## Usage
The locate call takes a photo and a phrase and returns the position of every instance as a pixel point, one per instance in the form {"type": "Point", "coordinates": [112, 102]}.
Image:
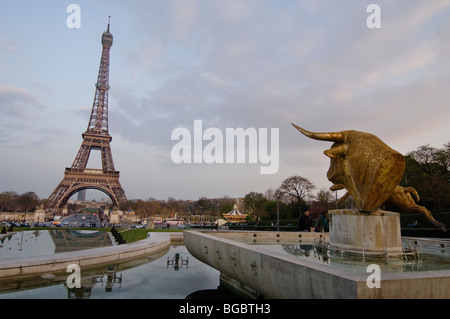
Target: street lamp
{"type": "Point", "coordinates": [278, 215]}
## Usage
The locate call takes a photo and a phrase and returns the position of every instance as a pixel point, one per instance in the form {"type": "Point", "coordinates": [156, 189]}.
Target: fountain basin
{"type": "Point", "coordinates": [261, 273]}
{"type": "Point", "coordinates": [21, 267]}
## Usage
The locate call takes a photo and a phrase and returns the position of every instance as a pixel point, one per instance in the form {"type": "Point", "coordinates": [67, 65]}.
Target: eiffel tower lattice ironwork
{"type": "Point", "coordinates": [96, 137]}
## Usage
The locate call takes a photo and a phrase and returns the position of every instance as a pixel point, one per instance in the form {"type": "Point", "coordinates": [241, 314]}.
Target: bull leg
{"type": "Point", "coordinates": [401, 197]}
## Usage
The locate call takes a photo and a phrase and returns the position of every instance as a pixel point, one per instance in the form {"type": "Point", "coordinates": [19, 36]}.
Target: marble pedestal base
{"type": "Point", "coordinates": [369, 234]}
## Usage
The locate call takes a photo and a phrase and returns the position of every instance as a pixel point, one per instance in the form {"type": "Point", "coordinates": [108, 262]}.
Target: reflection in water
{"type": "Point", "coordinates": [72, 240]}
{"type": "Point", "coordinates": [149, 277]}
{"type": "Point", "coordinates": [47, 242]}
{"type": "Point", "coordinates": [415, 259]}
{"type": "Point", "coordinates": [308, 251]}
{"type": "Point", "coordinates": [177, 262]}
{"type": "Point", "coordinates": [27, 243]}
{"type": "Point", "coordinates": [108, 279]}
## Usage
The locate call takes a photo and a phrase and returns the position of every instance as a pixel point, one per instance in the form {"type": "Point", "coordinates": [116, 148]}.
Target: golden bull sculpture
{"type": "Point", "coordinates": [369, 170]}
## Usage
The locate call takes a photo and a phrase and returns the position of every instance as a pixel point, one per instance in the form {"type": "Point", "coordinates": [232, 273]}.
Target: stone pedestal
{"type": "Point", "coordinates": [369, 234]}
{"type": "Point", "coordinates": [116, 217]}
{"type": "Point", "coordinates": [39, 215]}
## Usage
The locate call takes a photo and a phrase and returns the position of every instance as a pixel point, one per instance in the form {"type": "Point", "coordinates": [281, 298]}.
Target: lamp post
{"type": "Point", "coordinates": [278, 215]}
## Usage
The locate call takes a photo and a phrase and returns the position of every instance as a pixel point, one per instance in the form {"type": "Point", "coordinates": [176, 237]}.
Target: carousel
{"type": "Point", "coordinates": [235, 216]}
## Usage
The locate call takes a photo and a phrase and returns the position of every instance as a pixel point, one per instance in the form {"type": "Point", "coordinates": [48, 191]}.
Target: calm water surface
{"type": "Point", "coordinates": [150, 277]}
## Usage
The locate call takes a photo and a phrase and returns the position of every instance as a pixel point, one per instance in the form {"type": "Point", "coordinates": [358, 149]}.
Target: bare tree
{"type": "Point", "coordinates": [325, 197]}
{"type": "Point", "coordinates": [254, 203]}
{"type": "Point", "coordinates": [270, 194]}
{"type": "Point", "coordinates": [295, 189]}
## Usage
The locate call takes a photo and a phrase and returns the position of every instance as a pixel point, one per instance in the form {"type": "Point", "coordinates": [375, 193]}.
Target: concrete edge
{"type": "Point", "coordinates": [270, 274]}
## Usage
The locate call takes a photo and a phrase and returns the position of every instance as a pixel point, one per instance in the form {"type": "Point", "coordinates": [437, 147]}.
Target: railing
{"type": "Point", "coordinates": [91, 171]}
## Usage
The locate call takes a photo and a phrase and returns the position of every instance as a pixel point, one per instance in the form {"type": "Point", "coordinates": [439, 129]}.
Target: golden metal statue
{"type": "Point", "coordinates": [369, 170]}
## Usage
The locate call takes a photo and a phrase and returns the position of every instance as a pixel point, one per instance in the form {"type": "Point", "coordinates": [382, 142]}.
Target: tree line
{"type": "Point", "coordinates": [427, 170]}
{"type": "Point", "coordinates": [203, 206]}
{"type": "Point", "coordinates": [13, 202]}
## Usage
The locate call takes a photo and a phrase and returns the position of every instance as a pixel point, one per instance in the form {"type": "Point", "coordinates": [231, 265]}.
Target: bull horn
{"type": "Point", "coordinates": [331, 137]}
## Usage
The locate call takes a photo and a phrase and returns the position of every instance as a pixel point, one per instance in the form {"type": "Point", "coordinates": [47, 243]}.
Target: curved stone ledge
{"type": "Point", "coordinates": [17, 267]}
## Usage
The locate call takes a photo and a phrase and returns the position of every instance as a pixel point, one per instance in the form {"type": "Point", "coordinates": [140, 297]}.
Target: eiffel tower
{"type": "Point", "coordinates": [96, 137]}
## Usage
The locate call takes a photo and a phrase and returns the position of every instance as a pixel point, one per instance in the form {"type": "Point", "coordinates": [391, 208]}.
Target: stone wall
{"type": "Point", "coordinates": [17, 216]}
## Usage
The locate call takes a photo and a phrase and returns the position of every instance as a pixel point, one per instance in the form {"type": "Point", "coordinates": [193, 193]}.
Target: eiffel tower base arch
{"type": "Point", "coordinates": [76, 180]}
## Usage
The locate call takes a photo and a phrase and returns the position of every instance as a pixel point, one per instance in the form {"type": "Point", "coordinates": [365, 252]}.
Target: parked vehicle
{"type": "Point", "coordinates": [57, 220]}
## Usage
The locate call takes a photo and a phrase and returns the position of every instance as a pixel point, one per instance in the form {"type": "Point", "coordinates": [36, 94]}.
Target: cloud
{"type": "Point", "coordinates": [16, 102]}
{"type": "Point", "coordinates": [255, 63]}
{"type": "Point", "coordinates": [7, 44]}
{"type": "Point", "coordinates": [18, 110]}
{"type": "Point", "coordinates": [183, 17]}
{"type": "Point", "coordinates": [251, 64]}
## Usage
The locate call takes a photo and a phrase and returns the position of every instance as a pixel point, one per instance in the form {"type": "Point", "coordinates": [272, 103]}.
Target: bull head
{"type": "Point", "coordinates": [362, 164]}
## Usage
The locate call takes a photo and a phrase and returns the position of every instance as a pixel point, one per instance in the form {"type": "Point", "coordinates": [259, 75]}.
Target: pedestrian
{"type": "Point", "coordinates": [321, 224]}
{"type": "Point", "coordinates": [304, 222]}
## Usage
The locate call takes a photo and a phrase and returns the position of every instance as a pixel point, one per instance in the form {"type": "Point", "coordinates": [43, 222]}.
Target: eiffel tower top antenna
{"type": "Point", "coordinates": [98, 122]}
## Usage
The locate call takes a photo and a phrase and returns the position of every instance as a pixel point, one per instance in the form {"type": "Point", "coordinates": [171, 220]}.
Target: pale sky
{"type": "Point", "coordinates": [230, 64]}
